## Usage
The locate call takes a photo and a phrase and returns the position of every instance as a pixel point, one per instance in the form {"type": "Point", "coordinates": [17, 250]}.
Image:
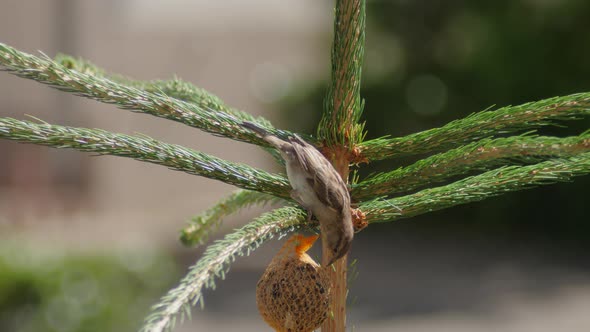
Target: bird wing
{"type": "Point", "coordinates": [323, 178]}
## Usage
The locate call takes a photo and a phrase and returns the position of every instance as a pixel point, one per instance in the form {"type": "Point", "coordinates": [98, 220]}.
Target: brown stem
{"type": "Point", "coordinates": [337, 322]}
{"type": "Point", "coordinates": [339, 129]}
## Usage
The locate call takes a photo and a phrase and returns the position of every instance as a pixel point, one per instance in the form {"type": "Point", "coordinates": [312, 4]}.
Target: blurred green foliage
{"type": "Point", "coordinates": [76, 293]}
{"type": "Point", "coordinates": [429, 62]}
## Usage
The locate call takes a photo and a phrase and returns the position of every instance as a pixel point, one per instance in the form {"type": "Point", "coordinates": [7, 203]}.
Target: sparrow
{"type": "Point", "coordinates": [316, 186]}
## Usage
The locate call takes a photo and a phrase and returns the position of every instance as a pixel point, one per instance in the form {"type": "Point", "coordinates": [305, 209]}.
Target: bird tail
{"type": "Point", "coordinates": [272, 140]}
{"type": "Point", "coordinates": [255, 128]}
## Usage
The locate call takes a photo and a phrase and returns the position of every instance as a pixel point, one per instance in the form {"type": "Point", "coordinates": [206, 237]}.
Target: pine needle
{"type": "Point", "coordinates": [480, 125]}
{"type": "Point", "coordinates": [215, 263]}
{"type": "Point", "coordinates": [201, 226]}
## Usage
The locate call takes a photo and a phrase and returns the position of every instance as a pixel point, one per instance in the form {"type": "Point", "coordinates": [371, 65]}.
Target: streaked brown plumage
{"type": "Point", "coordinates": [317, 187]}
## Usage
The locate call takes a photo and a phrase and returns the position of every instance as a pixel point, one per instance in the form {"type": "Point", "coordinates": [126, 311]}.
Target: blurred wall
{"type": "Point", "coordinates": [249, 55]}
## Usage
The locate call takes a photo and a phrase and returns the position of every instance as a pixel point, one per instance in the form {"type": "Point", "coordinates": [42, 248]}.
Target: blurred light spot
{"type": "Point", "coordinates": [159, 276]}
{"type": "Point", "coordinates": [150, 268]}
{"type": "Point", "coordinates": [458, 43]}
{"type": "Point", "coordinates": [63, 315]}
{"type": "Point", "coordinates": [138, 263]}
{"type": "Point", "coordinates": [81, 290]}
{"type": "Point", "coordinates": [385, 58]}
{"type": "Point", "coordinates": [270, 82]}
{"type": "Point", "coordinates": [426, 94]}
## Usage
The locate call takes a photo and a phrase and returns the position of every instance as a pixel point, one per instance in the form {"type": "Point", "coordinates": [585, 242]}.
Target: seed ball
{"type": "Point", "coordinates": [293, 294]}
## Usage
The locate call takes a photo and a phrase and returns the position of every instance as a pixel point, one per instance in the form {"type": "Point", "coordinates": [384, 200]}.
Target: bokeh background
{"type": "Point", "coordinates": [89, 243]}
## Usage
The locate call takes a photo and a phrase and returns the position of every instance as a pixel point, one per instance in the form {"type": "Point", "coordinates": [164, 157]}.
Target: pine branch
{"type": "Point", "coordinates": [339, 128]}
{"type": "Point", "coordinates": [45, 70]}
{"type": "Point", "coordinates": [482, 155]}
{"type": "Point", "coordinates": [201, 226]}
{"type": "Point", "coordinates": [477, 188]}
{"type": "Point", "coordinates": [343, 105]}
{"type": "Point", "coordinates": [175, 88]}
{"type": "Point", "coordinates": [147, 149]}
{"type": "Point", "coordinates": [215, 263]}
{"type": "Point", "coordinates": [480, 125]}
